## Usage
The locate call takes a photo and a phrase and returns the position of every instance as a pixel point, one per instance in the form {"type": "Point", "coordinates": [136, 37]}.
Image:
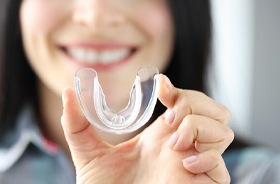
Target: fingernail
{"type": "Point", "coordinates": [189, 160]}
{"type": "Point", "coordinates": [169, 116]}
{"type": "Point", "coordinates": [173, 139]}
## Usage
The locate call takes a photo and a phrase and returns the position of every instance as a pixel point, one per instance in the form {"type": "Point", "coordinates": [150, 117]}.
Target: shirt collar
{"type": "Point", "coordinates": [26, 132]}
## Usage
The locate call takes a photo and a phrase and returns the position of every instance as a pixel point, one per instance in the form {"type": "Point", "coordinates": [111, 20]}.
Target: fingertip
{"type": "Point", "coordinates": [68, 96]}
{"type": "Point", "coordinates": [194, 164]}
{"type": "Point", "coordinates": [173, 140]}
{"type": "Point", "coordinates": [189, 160]}
{"type": "Point", "coordinates": [167, 92]}
{"type": "Point", "coordinates": [169, 116]}
{"type": "Point", "coordinates": [202, 162]}
{"type": "Point", "coordinates": [167, 82]}
{"type": "Point", "coordinates": [207, 170]}
{"type": "Point", "coordinates": [211, 163]}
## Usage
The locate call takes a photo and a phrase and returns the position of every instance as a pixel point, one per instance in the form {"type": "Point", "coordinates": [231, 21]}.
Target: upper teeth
{"type": "Point", "coordinates": [94, 56]}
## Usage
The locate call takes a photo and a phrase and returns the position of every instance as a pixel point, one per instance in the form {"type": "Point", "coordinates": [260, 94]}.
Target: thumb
{"type": "Point", "coordinates": [79, 133]}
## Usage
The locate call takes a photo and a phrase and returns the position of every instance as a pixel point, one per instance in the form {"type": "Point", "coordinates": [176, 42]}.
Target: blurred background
{"type": "Point", "coordinates": [245, 74]}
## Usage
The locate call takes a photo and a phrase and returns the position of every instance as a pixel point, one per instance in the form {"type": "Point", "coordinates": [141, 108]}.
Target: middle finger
{"type": "Point", "coordinates": [204, 132]}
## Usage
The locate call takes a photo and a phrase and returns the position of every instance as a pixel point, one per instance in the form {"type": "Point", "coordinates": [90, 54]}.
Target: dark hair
{"type": "Point", "coordinates": [192, 20]}
{"type": "Point", "coordinates": [17, 80]}
{"type": "Point", "coordinates": [186, 70]}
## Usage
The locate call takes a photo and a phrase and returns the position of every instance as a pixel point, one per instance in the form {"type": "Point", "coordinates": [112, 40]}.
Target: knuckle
{"type": "Point", "coordinates": [188, 127]}
{"type": "Point", "coordinates": [226, 179]}
{"type": "Point", "coordinates": [214, 155]}
{"type": "Point", "coordinates": [199, 93]}
{"type": "Point", "coordinates": [230, 135]}
{"type": "Point", "coordinates": [188, 122]}
{"type": "Point", "coordinates": [185, 100]}
{"type": "Point", "coordinates": [225, 113]}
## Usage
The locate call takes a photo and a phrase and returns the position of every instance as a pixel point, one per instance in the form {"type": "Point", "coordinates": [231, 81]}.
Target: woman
{"type": "Point", "coordinates": [44, 42]}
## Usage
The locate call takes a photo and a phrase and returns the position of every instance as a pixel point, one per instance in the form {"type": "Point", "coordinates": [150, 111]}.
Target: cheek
{"type": "Point", "coordinates": [157, 23]}
{"type": "Point", "coordinates": [156, 19]}
{"type": "Point", "coordinates": [39, 15]}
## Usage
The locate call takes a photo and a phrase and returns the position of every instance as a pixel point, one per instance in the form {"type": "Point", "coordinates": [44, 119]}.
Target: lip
{"type": "Point", "coordinates": [100, 48]}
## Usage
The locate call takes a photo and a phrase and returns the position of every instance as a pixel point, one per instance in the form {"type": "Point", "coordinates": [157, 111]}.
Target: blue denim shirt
{"type": "Point", "coordinates": [26, 157]}
{"type": "Point", "coordinates": [254, 165]}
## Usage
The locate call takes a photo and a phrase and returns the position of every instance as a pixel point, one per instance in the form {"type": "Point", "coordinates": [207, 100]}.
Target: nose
{"type": "Point", "coordinates": [97, 13]}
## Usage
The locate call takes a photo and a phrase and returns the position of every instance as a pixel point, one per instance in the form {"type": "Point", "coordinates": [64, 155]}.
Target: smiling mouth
{"type": "Point", "coordinates": [89, 56]}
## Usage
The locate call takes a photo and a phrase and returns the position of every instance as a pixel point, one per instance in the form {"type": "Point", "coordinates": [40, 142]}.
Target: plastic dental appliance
{"type": "Point", "coordinates": [143, 98]}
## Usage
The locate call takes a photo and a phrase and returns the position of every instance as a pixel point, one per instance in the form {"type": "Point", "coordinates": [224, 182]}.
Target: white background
{"type": "Point", "coordinates": [245, 74]}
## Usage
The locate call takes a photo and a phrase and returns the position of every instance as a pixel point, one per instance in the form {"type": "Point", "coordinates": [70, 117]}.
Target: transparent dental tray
{"type": "Point", "coordinates": [143, 98]}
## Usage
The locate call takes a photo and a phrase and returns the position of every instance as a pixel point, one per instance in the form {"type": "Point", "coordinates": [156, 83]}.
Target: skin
{"type": "Point", "coordinates": [193, 127]}
{"type": "Point", "coordinates": [48, 25]}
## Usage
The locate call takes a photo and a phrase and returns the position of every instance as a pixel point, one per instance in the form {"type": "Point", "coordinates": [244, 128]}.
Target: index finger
{"type": "Point", "coordinates": [183, 102]}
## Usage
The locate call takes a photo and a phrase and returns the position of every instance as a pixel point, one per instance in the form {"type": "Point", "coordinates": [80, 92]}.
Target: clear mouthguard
{"type": "Point", "coordinates": [143, 98]}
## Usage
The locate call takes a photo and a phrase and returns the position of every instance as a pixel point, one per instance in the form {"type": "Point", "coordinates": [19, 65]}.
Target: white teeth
{"type": "Point", "coordinates": [93, 56]}
{"type": "Point", "coordinates": [90, 56]}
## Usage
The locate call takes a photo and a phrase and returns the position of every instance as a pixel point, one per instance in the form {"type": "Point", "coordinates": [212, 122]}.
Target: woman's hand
{"type": "Point", "coordinates": [184, 145]}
